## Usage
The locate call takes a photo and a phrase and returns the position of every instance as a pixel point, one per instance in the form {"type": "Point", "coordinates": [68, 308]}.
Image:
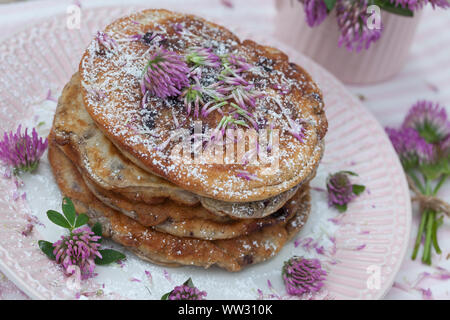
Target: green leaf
{"type": "Point", "coordinates": [435, 170]}
{"type": "Point", "coordinates": [189, 283]}
{"type": "Point", "coordinates": [392, 8]}
{"type": "Point", "coordinates": [47, 248]}
{"type": "Point", "coordinates": [82, 219]}
{"type": "Point", "coordinates": [166, 296]}
{"type": "Point", "coordinates": [58, 219]}
{"type": "Point", "coordinates": [69, 210]}
{"type": "Point", "coordinates": [330, 4]}
{"type": "Point", "coordinates": [97, 229]}
{"type": "Point", "coordinates": [358, 189]}
{"type": "Point", "coordinates": [109, 256]}
{"type": "Point", "coordinates": [341, 208]}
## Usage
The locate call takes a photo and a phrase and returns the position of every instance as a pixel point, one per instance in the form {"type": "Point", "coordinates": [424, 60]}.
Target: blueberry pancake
{"type": "Point", "coordinates": [165, 249]}
{"type": "Point", "coordinates": [155, 73]}
{"type": "Point", "coordinates": [188, 145]}
{"type": "Point", "coordinates": [103, 164]}
{"type": "Point", "coordinates": [185, 221]}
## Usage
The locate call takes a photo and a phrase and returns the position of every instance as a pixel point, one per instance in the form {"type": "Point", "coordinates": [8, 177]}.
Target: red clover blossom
{"type": "Point", "coordinates": [80, 249]}
{"type": "Point", "coordinates": [341, 191]}
{"type": "Point", "coordinates": [168, 74]}
{"type": "Point", "coordinates": [424, 135]}
{"type": "Point", "coordinates": [423, 146]}
{"type": "Point", "coordinates": [429, 119]}
{"type": "Point", "coordinates": [352, 21]}
{"type": "Point", "coordinates": [316, 11]}
{"type": "Point", "coordinates": [352, 17]}
{"type": "Point", "coordinates": [411, 148]}
{"type": "Point", "coordinates": [165, 75]}
{"type": "Point", "coordinates": [185, 292]}
{"type": "Point", "coordinates": [21, 151]}
{"type": "Point", "coordinates": [302, 276]}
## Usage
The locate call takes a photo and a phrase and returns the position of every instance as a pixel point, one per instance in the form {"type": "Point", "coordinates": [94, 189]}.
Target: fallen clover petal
{"type": "Point", "coordinates": [187, 291]}
{"type": "Point", "coordinates": [80, 248]}
{"type": "Point", "coordinates": [28, 229]}
{"type": "Point", "coordinates": [302, 276]}
{"type": "Point", "coordinates": [167, 275]}
{"type": "Point", "coordinates": [247, 175]}
{"type": "Point", "coordinates": [106, 41]}
{"type": "Point", "coordinates": [296, 129]}
{"type": "Point", "coordinates": [22, 151]}
{"type": "Point", "coordinates": [341, 191]}
{"type": "Point", "coordinates": [426, 294]}
{"type": "Point", "coordinates": [227, 3]}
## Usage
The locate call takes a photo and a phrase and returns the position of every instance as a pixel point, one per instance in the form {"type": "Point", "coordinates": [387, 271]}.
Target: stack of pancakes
{"type": "Point", "coordinates": [106, 156]}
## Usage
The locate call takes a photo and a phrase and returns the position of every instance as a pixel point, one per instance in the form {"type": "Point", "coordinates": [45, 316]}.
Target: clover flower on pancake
{"type": "Point", "coordinates": [165, 74]}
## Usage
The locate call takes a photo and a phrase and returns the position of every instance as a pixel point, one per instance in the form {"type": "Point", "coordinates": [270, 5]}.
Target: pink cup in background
{"type": "Point", "coordinates": [382, 60]}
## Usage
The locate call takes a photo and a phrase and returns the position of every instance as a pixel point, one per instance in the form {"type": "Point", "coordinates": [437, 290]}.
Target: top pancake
{"type": "Point", "coordinates": [112, 96]}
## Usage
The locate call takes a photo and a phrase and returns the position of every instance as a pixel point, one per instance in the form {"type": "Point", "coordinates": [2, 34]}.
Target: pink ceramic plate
{"type": "Point", "coordinates": [371, 238]}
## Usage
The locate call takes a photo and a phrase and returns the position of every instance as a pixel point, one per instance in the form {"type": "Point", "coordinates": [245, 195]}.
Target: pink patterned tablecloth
{"type": "Point", "coordinates": [426, 76]}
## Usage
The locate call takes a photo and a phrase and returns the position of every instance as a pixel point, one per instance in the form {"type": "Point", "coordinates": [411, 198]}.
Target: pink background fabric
{"type": "Point", "coordinates": [425, 76]}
